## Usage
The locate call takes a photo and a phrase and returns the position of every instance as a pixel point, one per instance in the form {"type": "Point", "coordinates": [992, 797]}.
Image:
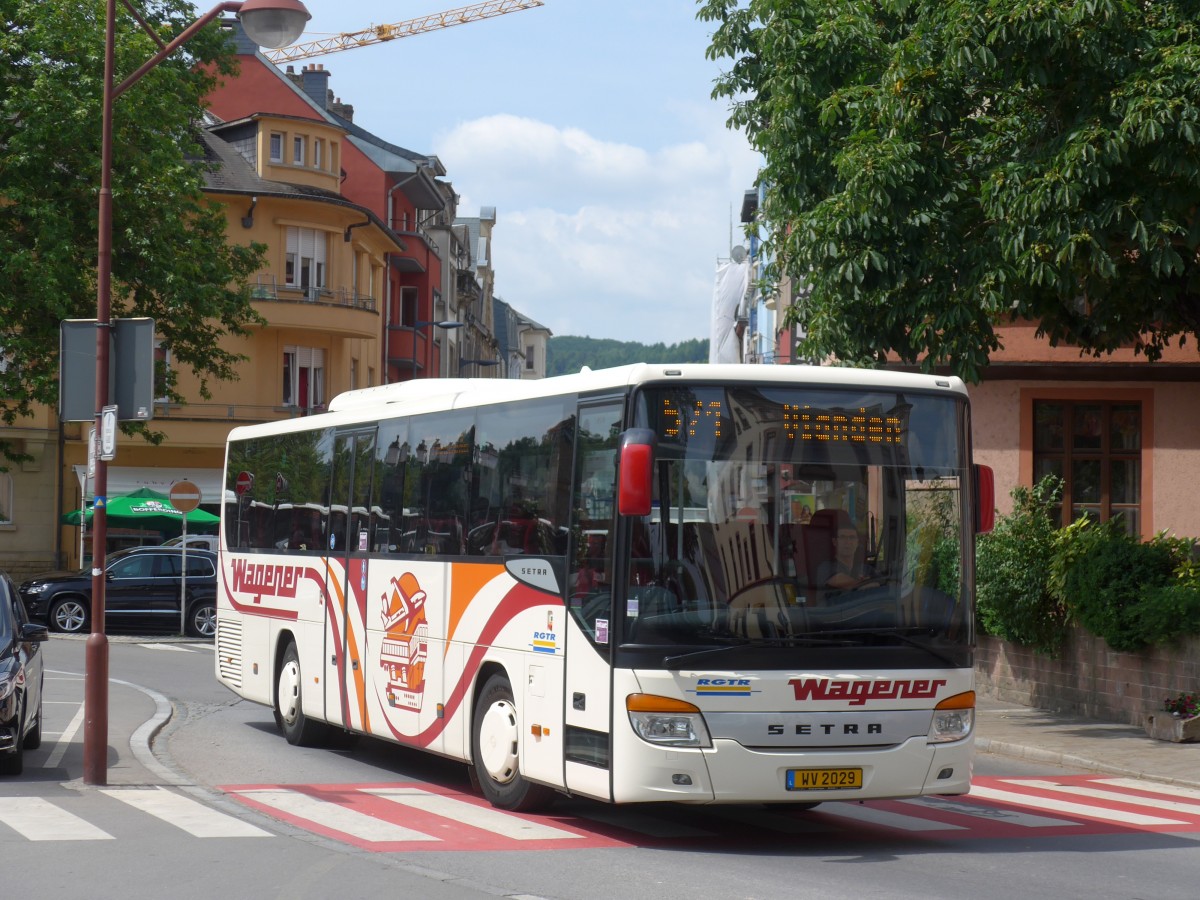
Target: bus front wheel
{"type": "Point", "coordinates": [289, 704]}
{"type": "Point", "coordinates": [495, 751]}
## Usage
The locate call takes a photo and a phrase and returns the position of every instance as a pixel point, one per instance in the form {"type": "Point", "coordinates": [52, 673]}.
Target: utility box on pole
{"type": "Point", "coordinates": [131, 375]}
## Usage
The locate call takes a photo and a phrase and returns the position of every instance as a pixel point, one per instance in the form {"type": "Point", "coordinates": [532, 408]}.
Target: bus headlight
{"type": "Point", "coordinates": [667, 722]}
{"type": "Point", "coordinates": [953, 718]}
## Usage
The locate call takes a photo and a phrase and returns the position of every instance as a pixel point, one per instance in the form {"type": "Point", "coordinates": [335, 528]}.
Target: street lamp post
{"type": "Point", "coordinates": [417, 325]}
{"type": "Point", "coordinates": [477, 362]}
{"type": "Point", "coordinates": [272, 24]}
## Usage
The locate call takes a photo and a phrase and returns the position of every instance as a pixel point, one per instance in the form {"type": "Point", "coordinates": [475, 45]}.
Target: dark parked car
{"type": "Point", "coordinates": [20, 680]}
{"type": "Point", "coordinates": [142, 588]}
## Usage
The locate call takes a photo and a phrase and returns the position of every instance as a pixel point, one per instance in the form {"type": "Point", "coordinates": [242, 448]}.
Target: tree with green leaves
{"type": "Point", "coordinates": [936, 168]}
{"type": "Point", "coordinates": [171, 261]}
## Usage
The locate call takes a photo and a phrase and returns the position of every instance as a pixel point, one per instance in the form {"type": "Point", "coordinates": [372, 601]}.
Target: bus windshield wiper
{"type": "Point", "coordinates": [905, 635]}
{"type": "Point", "coordinates": [674, 662]}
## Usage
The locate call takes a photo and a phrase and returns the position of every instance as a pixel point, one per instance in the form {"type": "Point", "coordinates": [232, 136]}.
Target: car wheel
{"type": "Point", "coordinates": [69, 615]}
{"type": "Point", "coordinates": [13, 761]}
{"type": "Point", "coordinates": [289, 704]}
{"type": "Point", "coordinates": [495, 753]}
{"type": "Point", "coordinates": [202, 619]}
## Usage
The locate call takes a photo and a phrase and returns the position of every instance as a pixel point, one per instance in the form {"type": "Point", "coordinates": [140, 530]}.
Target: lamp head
{"type": "Point", "coordinates": [273, 23]}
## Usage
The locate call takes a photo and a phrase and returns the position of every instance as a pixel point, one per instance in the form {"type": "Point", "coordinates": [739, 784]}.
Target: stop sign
{"type": "Point", "coordinates": [245, 481]}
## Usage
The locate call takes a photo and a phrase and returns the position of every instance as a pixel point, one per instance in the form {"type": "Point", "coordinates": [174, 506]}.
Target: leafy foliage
{"type": "Point", "coordinates": [1014, 601]}
{"type": "Point", "coordinates": [937, 167]}
{"type": "Point", "coordinates": [1127, 591]}
{"type": "Point", "coordinates": [568, 354]}
{"type": "Point", "coordinates": [170, 257]}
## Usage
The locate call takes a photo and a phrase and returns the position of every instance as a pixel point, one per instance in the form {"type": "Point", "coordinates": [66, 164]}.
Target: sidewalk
{"type": "Point", "coordinates": [1076, 743]}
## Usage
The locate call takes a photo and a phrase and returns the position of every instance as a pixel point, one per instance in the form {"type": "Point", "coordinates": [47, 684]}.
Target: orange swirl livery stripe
{"type": "Point", "coordinates": [334, 582]}
{"type": "Point", "coordinates": [519, 599]}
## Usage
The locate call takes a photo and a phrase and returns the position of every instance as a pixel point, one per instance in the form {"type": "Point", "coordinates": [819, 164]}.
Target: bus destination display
{"type": "Point", "coordinates": [702, 420]}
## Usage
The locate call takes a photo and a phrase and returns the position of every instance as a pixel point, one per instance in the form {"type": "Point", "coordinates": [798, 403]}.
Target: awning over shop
{"type": "Point", "coordinates": [127, 479]}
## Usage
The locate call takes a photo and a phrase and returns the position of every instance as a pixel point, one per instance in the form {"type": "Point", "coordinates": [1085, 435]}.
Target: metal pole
{"type": "Point", "coordinates": [95, 692]}
{"type": "Point", "coordinates": [415, 332]}
{"type": "Point", "coordinates": [95, 682]}
{"type": "Point", "coordinates": [183, 581]}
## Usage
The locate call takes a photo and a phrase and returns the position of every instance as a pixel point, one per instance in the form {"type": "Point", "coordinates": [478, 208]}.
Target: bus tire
{"type": "Point", "coordinates": [495, 751]}
{"type": "Point", "coordinates": [298, 728]}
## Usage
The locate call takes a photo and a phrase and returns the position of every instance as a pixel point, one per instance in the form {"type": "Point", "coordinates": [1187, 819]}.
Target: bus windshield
{"type": "Point", "coordinates": [794, 516]}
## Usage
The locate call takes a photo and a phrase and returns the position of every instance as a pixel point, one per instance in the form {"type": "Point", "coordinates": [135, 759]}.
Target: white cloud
{"type": "Point", "coordinates": [597, 237]}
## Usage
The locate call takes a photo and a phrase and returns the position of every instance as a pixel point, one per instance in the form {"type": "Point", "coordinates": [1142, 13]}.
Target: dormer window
{"type": "Point", "coordinates": [298, 151]}
{"type": "Point", "coordinates": [276, 147]}
{"type": "Point", "coordinates": [318, 153]}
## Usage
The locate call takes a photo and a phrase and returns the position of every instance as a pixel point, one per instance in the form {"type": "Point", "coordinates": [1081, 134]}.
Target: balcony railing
{"type": "Point", "coordinates": [232, 412]}
{"type": "Point", "coordinates": [268, 290]}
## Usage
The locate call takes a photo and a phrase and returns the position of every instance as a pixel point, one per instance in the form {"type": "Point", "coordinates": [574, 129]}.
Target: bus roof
{"type": "Point", "coordinates": [431, 394]}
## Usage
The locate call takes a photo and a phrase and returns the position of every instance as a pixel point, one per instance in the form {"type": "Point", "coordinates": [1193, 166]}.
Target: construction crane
{"type": "Point", "coordinates": [379, 33]}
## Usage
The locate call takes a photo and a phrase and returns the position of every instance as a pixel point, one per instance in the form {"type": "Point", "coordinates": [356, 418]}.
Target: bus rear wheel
{"type": "Point", "coordinates": [289, 704]}
{"type": "Point", "coordinates": [495, 751]}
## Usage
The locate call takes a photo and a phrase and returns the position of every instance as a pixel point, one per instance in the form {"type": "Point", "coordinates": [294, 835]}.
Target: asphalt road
{"type": "Point", "coordinates": [225, 807]}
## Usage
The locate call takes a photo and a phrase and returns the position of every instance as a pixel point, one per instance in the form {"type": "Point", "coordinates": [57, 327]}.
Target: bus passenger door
{"type": "Point", "coordinates": [346, 578]}
{"type": "Point", "coordinates": [589, 688]}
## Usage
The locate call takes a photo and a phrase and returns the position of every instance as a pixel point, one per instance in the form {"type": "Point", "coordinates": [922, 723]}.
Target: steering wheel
{"type": "Point", "coordinates": [871, 581]}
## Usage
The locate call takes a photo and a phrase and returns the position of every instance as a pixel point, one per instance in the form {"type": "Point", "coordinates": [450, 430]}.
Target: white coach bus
{"type": "Point", "coordinates": [702, 584]}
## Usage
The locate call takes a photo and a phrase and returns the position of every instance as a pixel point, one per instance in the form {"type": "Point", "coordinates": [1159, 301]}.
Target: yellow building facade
{"type": "Point", "coordinates": [321, 293]}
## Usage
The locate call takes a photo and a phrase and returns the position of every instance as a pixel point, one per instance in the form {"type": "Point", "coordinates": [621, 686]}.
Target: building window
{"type": "Point", "coordinates": [529, 358]}
{"type": "Point", "coordinates": [353, 374]}
{"type": "Point", "coordinates": [6, 499]}
{"type": "Point", "coordinates": [276, 147]}
{"type": "Point", "coordinates": [303, 377]}
{"type": "Point", "coordinates": [408, 306]}
{"type": "Point", "coordinates": [298, 151]}
{"type": "Point", "coordinates": [162, 371]}
{"type": "Point", "coordinates": [318, 153]}
{"type": "Point", "coordinates": [1095, 447]}
{"type": "Point", "coordinates": [305, 262]}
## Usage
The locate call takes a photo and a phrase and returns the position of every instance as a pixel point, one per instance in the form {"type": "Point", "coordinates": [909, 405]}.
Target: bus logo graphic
{"type": "Point", "coordinates": [857, 693]}
{"type": "Point", "coordinates": [723, 687]}
{"type": "Point", "coordinates": [544, 641]}
{"type": "Point", "coordinates": [405, 646]}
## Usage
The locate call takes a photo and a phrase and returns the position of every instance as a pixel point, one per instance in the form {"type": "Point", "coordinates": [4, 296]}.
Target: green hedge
{"type": "Point", "coordinates": [1011, 564]}
{"type": "Point", "coordinates": [1033, 578]}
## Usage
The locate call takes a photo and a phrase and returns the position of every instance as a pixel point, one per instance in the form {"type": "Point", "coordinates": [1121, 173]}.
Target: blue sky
{"type": "Point", "coordinates": [589, 125]}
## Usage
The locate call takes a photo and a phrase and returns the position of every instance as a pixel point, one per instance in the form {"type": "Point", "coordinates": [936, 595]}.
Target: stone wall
{"type": "Point", "coordinates": [1088, 678]}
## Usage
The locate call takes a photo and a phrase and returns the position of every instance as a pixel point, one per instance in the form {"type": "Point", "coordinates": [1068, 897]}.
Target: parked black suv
{"type": "Point", "coordinates": [142, 588]}
{"type": "Point", "coordinates": [20, 680]}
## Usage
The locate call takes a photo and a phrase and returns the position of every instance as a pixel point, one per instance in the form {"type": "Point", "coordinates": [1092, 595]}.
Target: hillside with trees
{"type": "Point", "coordinates": [566, 354]}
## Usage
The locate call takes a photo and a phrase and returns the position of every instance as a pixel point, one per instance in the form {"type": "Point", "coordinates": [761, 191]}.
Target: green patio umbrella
{"type": "Point", "coordinates": [148, 510]}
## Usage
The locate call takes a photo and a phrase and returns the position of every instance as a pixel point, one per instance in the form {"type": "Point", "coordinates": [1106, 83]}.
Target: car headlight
{"type": "Point", "coordinates": [953, 718]}
{"type": "Point", "coordinates": [667, 722]}
{"type": "Point", "coordinates": [33, 588]}
{"type": "Point", "coordinates": [8, 684]}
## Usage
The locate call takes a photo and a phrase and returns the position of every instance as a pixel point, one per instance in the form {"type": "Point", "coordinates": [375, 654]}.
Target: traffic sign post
{"type": "Point", "coordinates": [185, 497]}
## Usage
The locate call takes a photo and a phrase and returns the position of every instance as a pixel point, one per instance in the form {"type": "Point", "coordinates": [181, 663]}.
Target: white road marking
{"type": "Point", "coordinates": [1065, 806]}
{"type": "Point", "coordinates": [1151, 787]}
{"type": "Point", "coordinates": [873, 816]}
{"type": "Point", "coordinates": [990, 813]}
{"type": "Point", "coordinates": [64, 741]}
{"type": "Point", "coordinates": [183, 812]}
{"type": "Point", "coordinates": [1083, 791]}
{"type": "Point", "coordinates": [492, 820]}
{"type": "Point", "coordinates": [338, 818]}
{"type": "Point", "coordinates": [40, 820]}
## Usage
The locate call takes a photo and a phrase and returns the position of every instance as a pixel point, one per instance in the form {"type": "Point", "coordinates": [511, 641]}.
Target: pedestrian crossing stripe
{"type": "Point", "coordinates": [185, 813]}
{"type": "Point", "coordinates": [393, 817]}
